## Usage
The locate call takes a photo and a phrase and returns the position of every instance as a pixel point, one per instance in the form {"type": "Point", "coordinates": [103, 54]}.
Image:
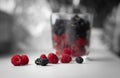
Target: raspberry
{"type": "Point", "coordinates": [59, 41]}
{"type": "Point", "coordinates": [25, 59]}
{"type": "Point", "coordinates": [63, 36]}
{"type": "Point", "coordinates": [75, 50]}
{"type": "Point", "coordinates": [63, 44]}
{"type": "Point", "coordinates": [43, 56]}
{"type": "Point", "coordinates": [53, 58]}
{"type": "Point", "coordinates": [56, 38]}
{"type": "Point", "coordinates": [16, 60]}
{"type": "Point", "coordinates": [67, 51]}
{"type": "Point", "coordinates": [81, 42]}
{"type": "Point", "coordinates": [66, 58]}
{"type": "Point", "coordinates": [79, 59]}
{"type": "Point", "coordinates": [79, 52]}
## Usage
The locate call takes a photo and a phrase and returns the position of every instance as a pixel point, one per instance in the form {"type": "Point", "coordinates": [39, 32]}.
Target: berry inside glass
{"type": "Point", "coordinates": [70, 34]}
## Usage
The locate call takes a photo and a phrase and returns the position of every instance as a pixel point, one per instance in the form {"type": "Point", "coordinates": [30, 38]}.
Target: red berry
{"type": "Point", "coordinates": [56, 38]}
{"type": "Point", "coordinates": [80, 52]}
{"type": "Point", "coordinates": [65, 58]}
{"type": "Point", "coordinates": [43, 56]}
{"type": "Point", "coordinates": [74, 49]}
{"type": "Point", "coordinates": [63, 37]}
{"type": "Point", "coordinates": [59, 41]}
{"type": "Point", "coordinates": [81, 42]}
{"type": "Point", "coordinates": [53, 58]}
{"type": "Point", "coordinates": [67, 51]}
{"type": "Point", "coordinates": [25, 59]}
{"type": "Point", "coordinates": [16, 60]}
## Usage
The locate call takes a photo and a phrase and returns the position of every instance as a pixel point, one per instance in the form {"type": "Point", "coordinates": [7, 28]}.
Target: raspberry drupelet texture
{"type": "Point", "coordinates": [16, 60]}
{"type": "Point", "coordinates": [25, 59]}
{"type": "Point", "coordinates": [66, 58]}
{"type": "Point", "coordinates": [53, 58]}
{"type": "Point", "coordinates": [43, 56]}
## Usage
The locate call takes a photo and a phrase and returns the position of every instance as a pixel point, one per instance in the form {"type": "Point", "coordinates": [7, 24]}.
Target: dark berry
{"type": "Point", "coordinates": [59, 27]}
{"type": "Point", "coordinates": [44, 62]}
{"type": "Point", "coordinates": [87, 25]}
{"type": "Point", "coordinates": [81, 25]}
{"type": "Point", "coordinates": [79, 60]}
{"type": "Point", "coordinates": [81, 35]}
{"type": "Point", "coordinates": [75, 18]}
{"type": "Point", "coordinates": [16, 60]}
{"type": "Point", "coordinates": [25, 59]}
{"type": "Point", "coordinates": [38, 61]}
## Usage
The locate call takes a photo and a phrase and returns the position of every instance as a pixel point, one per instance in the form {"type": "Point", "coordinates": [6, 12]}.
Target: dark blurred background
{"type": "Point", "coordinates": [22, 21]}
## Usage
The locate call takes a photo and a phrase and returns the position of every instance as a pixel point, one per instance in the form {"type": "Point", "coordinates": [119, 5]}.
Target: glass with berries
{"type": "Point", "coordinates": [70, 34]}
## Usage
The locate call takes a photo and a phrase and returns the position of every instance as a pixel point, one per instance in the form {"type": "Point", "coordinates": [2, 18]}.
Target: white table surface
{"type": "Point", "coordinates": [101, 63]}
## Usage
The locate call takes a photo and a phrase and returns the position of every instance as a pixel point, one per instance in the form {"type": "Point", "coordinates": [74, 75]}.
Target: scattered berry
{"type": "Point", "coordinates": [42, 62]}
{"type": "Point", "coordinates": [65, 58]}
{"type": "Point", "coordinates": [16, 60]}
{"type": "Point", "coordinates": [38, 61]}
{"type": "Point", "coordinates": [25, 59]}
{"type": "Point", "coordinates": [67, 51]}
{"type": "Point", "coordinates": [79, 60]}
{"type": "Point", "coordinates": [43, 56]}
{"type": "Point", "coordinates": [53, 58]}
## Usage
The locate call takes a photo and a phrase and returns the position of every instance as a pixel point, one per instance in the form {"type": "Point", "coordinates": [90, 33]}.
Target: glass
{"type": "Point", "coordinates": [70, 34]}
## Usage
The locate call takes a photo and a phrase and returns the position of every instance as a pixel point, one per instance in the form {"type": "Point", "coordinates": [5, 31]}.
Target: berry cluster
{"type": "Point", "coordinates": [70, 34]}
{"type": "Point", "coordinates": [18, 60]}
{"type": "Point", "coordinates": [53, 59]}
{"type": "Point", "coordinates": [43, 60]}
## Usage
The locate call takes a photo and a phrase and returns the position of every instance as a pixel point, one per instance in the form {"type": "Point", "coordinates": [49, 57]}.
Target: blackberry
{"type": "Point", "coordinates": [75, 18]}
{"type": "Point", "coordinates": [38, 61]}
{"type": "Point", "coordinates": [42, 62]}
{"type": "Point", "coordinates": [87, 25]}
{"type": "Point", "coordinates": [79, 59]}
{"type": "Point", "coordinates": [81, 25]}
{"type": "Point", "coordinates": [59, 26]}
{"type": "Point", "coordinates": [81, 35]}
